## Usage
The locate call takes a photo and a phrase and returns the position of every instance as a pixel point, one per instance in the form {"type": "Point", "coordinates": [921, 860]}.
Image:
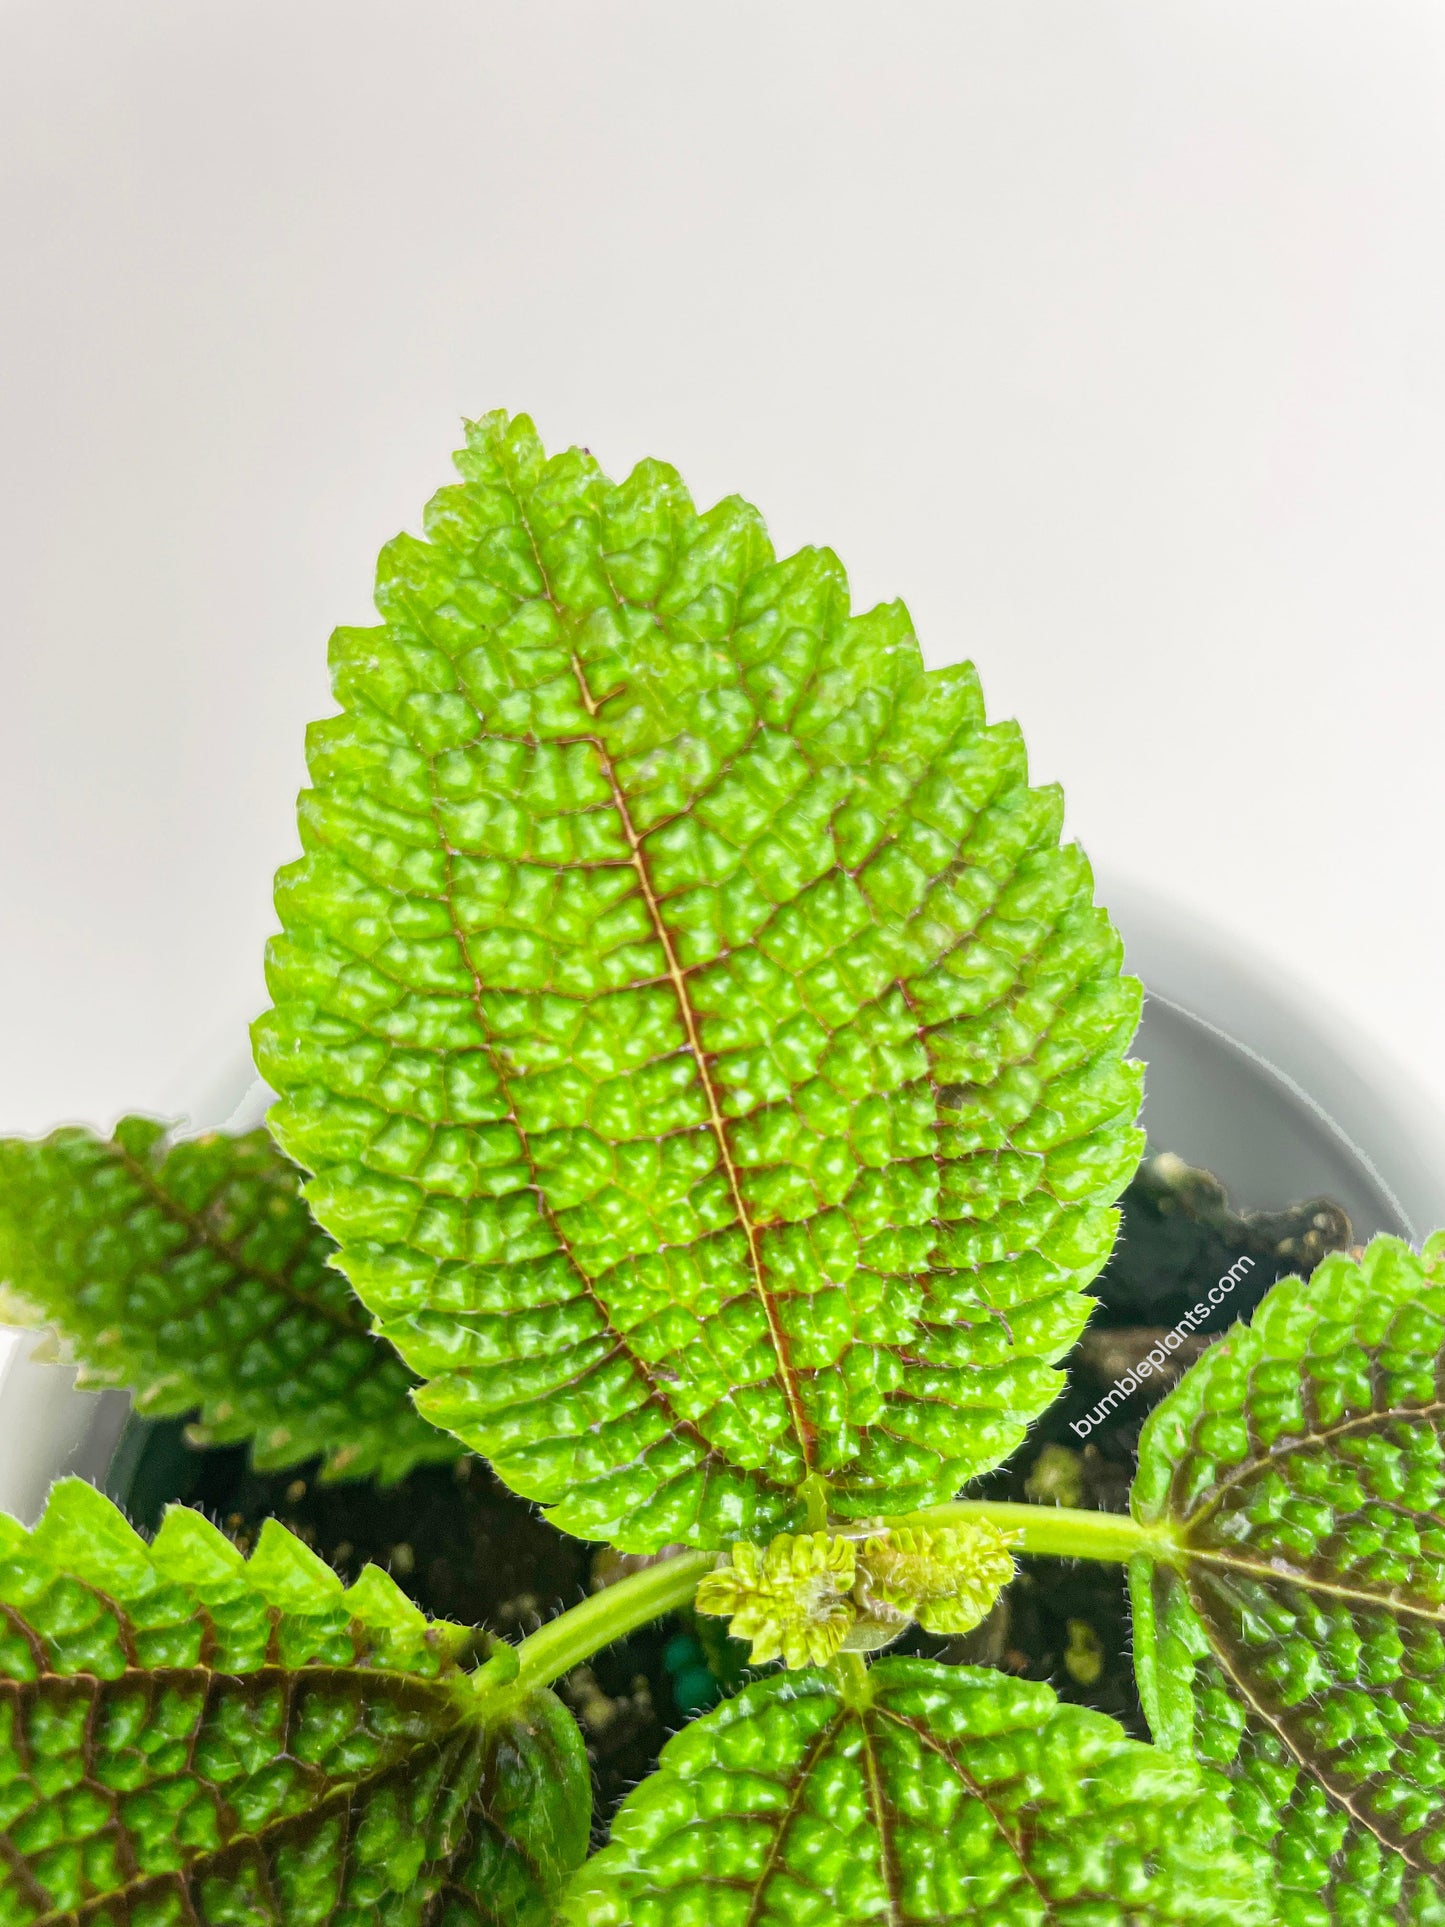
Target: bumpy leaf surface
{"type": "Point", "coordinates": [1298, 1645]}
{"type": "Point", "coordinates": [193, 1273]}
{"type": "Point", "coordinates": [710, 1061]}
{"type": "Point", "coordinates": [956, 1796]}
{"type": "Point", "coordinates": [188, 1737]}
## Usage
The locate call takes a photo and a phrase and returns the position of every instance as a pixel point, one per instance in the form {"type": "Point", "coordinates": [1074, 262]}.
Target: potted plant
{"type": "Point", "coordinates": [703, 1093]}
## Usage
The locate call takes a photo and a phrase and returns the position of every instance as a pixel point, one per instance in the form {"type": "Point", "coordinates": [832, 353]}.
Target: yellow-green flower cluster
{"type": "Point", "coordinates": [947, 1580]}
{"type": "Point", "coordinates": [790, 1598]}
{"type": "Point", "coordinates": [806, 1596]}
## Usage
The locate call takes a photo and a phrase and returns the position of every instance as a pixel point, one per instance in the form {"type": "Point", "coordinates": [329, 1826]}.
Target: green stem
{"type": "Point", "coordinates": [607, 1616]}
{"type": "Point", "coordinates": [1066, 1532]}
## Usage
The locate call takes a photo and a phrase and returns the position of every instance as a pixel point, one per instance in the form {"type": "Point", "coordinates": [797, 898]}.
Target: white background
{"type": "Point", "coordinates": [1110, 336]}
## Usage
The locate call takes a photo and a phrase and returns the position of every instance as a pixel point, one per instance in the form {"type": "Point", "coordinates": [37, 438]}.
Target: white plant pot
{"type": "Point", "coordinates": [1246, 1077]}
{"type": "Point", "coordinates": [1250, 1077]}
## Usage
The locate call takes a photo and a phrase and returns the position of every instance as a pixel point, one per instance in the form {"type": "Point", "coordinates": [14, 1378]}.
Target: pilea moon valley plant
{"type": "Point", "coordinates": [701, 1092]}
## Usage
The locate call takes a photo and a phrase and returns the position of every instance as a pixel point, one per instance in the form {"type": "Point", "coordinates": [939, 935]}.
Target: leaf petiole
{"type": "Point", "coordinates": [610, 1615]}
{"type": "Point", "coordinates": [1064, 1532]}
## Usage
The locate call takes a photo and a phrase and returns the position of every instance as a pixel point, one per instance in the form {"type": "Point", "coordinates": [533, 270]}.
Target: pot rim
{"type": "Point", "coordinates": [1364, 1097]}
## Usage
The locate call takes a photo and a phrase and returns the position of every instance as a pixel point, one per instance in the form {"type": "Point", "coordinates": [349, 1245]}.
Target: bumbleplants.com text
{"type": "Point", "coordinates": [1156, 1359]}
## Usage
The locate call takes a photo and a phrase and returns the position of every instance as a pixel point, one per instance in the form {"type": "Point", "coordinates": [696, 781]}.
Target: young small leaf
{"type": "Point", "coordinates": [192, 1273]}
{"type": "Point", "coordinates": [711, 1063]}
{"type": "Point", "coordinates": [1296, 1641]}
{"type": "Point", "coordinates": [952, 1797]}
{"type": "Point", "coordinates": [190, 1739]}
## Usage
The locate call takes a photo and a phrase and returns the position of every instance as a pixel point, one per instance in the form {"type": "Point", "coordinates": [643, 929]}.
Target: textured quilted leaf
{"type": "Point", "coordinates": [956, 1796]}
{"type": "Point", "coordinates": [711, 1064]}
{"type": "Point", "coordinates": [193, 1274]}
{"type": "Point", "coordinates": [1299, 1644]}
{"type": "Point", "coordinates": [188, 1737]}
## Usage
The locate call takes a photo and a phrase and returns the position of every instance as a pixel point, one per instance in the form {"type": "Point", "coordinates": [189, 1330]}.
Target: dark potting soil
{"type": "Point", "coordinates": [466, 1549]}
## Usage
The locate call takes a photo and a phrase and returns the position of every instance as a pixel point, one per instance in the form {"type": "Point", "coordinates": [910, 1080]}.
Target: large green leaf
{"type": "Point", "coordinates": [711, 1064]}
{"type": "Point", "coordinates": [1297, 1643]}
{"type": "Point", "coordinates": [949, 1795]}
{"type": "Point", "coordinates": [193, 1274]}
{"type": "Point", "coordinates": [188, 1737]}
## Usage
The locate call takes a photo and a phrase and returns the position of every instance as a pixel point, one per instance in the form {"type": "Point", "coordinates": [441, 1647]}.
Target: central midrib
{"type": "Point", "coordinates": [802, 1425]}
{"type": "Point", "coordinates": [792, 1391]}
{"type": "Point", "coordinates": [887, 1847]}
